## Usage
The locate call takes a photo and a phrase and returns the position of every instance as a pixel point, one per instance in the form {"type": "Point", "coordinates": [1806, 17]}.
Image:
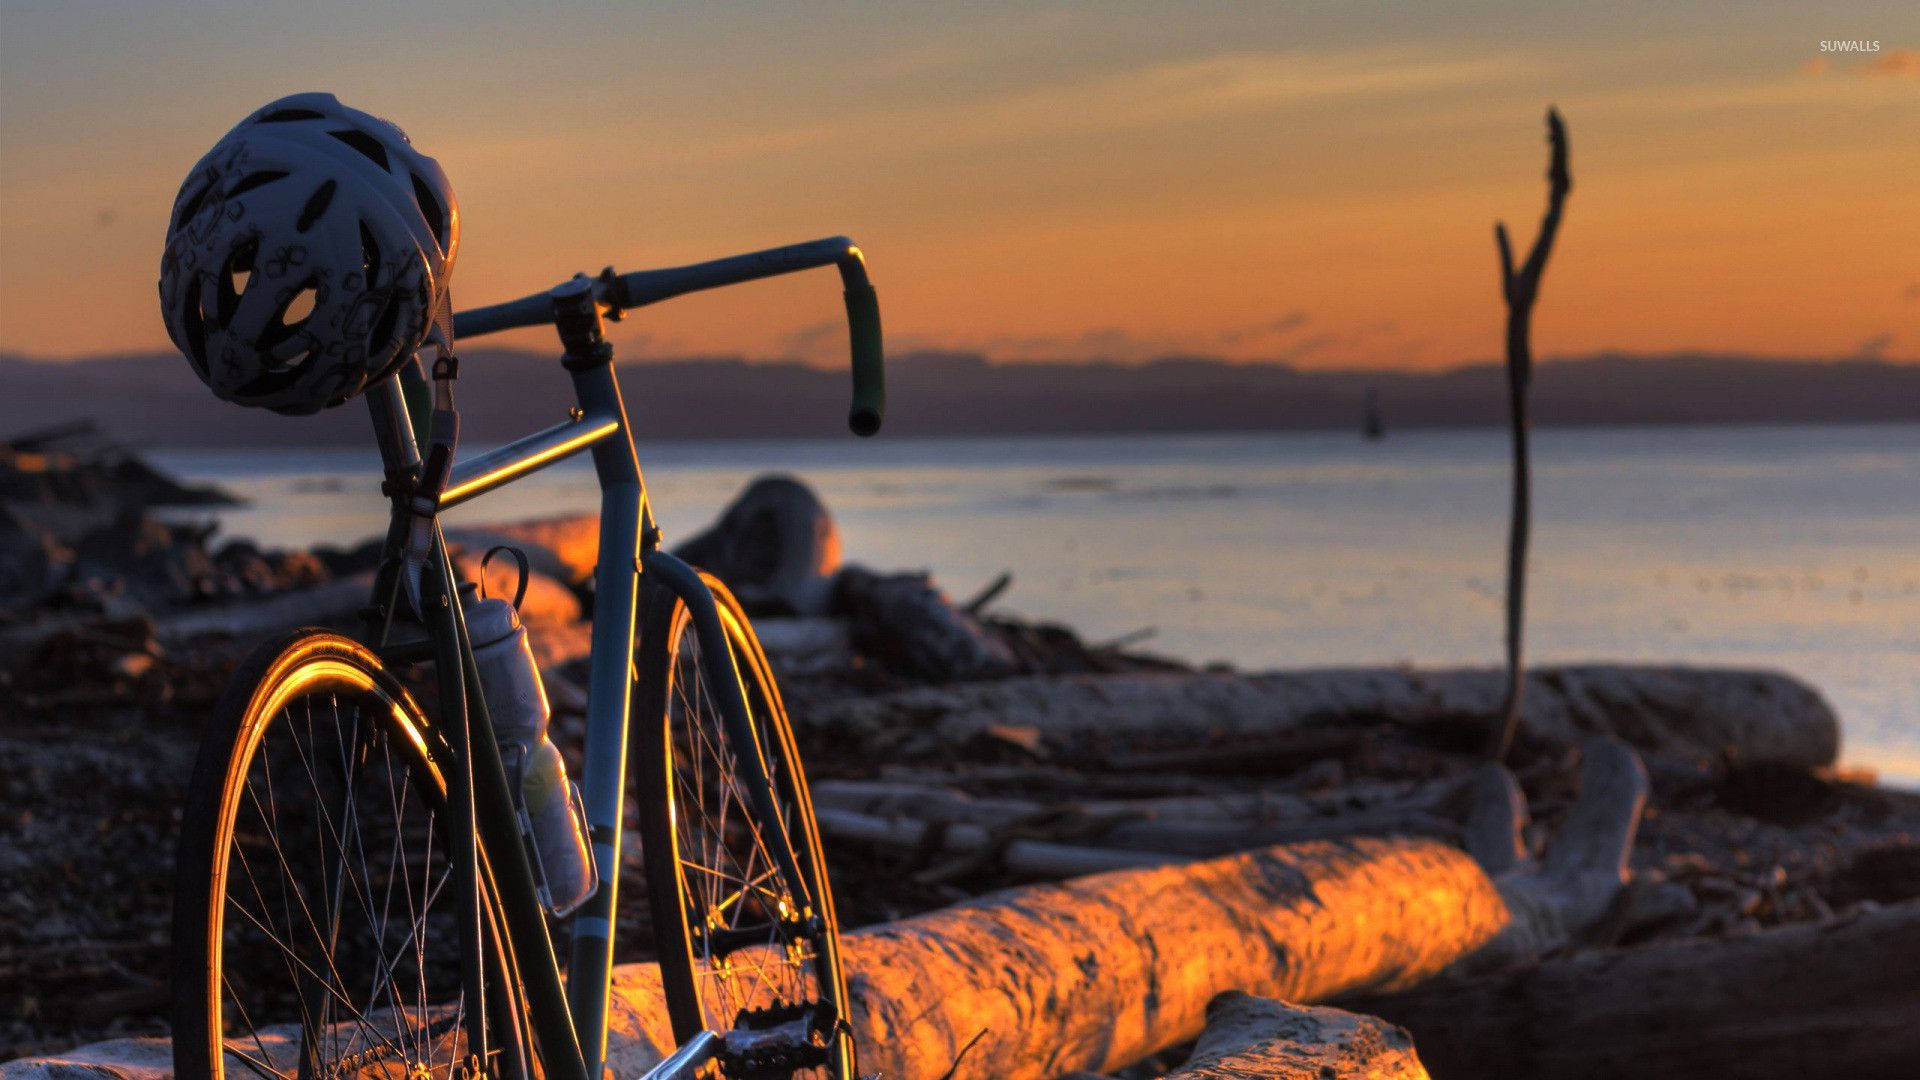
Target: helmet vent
{"type": "Point", "coordinates": [430, 206]}
{"type": "Point", "coordinates": [299, 308]}
{"type": "Point", "coordinates": [293, 363]}
{"type": "Point", "coordinates": [192, 206]}
{"type": "Point", "coordinates": [195, 327]}
{"type": "Point", "coordinates": [317, 204]}
{"type": "Point", "coordinates": [364, 143]}
{"type": "Point", "coordinates": [234, 278]}
{"type": "Point", "coordinates": [293, 314]}
{"type": "Point", "coordinates": [254, 180]}
{"type": "Point", "coordinates": [282, 116]}
{"type": "Point", "coordinates": [369, 255]}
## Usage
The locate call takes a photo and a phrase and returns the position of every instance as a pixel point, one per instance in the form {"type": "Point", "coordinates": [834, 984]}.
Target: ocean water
{"type": "Point", "coordinates": [1796, 548]}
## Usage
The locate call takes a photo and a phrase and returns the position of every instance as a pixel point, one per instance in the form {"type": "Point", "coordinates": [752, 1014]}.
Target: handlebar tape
{"type": "Point", "coordinates": [869, 376]}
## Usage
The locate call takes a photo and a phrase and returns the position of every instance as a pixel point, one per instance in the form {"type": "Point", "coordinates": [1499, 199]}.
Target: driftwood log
{"type": "Point", "coordinates": [1098, 973]}
{"type": "Point", "coordinates": [1246, 1037]}
{"type": "Point", "coordinates": [923, 817]}
{"type": "Point", "coordinates": [1836, 999]}
{"type": "Point", "coordinates": [1093, 974]}
{"type": "Point", "coordinates": [1707, 715]}
{"type": "Point", "coordinates": [1250, 1037]}
{"type": "Point", "coordinates": [909, 625]}
{"type": "Point", "coordinates": [1561, 899]}
{"type": "Point", "coordinates": [1569, 893]}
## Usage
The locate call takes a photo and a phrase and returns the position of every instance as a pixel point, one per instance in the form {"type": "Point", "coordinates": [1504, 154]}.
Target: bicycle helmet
{"type": "Point", "coordinates": [307, 255]}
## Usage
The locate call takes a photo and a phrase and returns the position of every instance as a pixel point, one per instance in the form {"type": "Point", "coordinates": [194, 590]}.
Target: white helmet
{"type": "Point", "coordinates": [307, 255]}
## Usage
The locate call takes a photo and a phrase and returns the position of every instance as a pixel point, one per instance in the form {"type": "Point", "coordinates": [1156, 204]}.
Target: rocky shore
{"type": "Point", "coordinates": [956, 753]}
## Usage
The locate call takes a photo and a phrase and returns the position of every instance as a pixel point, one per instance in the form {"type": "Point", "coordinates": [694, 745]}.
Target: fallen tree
{"type": "Point", "coordinates": [928, 819]}
{"type": "Point", "coordinates": [1095, 973]}
{"type": "Point", "coordinates": [1810, 1000]}
{"type": "Point", "coordinates": [1100, 972]}
{"type": "Point", "coordinates": [1697, 714]}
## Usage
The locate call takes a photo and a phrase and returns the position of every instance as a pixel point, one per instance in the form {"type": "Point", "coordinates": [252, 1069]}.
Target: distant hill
{"type": "Point", "coordinates": [153, 400]}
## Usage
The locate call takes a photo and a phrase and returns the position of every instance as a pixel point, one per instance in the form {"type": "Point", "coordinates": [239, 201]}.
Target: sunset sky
{"type": "Point", "coordinates": [1314, 183]}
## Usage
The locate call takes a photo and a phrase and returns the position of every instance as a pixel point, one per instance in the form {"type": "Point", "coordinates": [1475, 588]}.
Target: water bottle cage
{"type": "Point", "coordinates": [514, 757]}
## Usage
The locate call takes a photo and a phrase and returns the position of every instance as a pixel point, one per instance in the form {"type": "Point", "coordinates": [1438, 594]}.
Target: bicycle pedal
{"type": "Point", "coordinates": [771, 1043]}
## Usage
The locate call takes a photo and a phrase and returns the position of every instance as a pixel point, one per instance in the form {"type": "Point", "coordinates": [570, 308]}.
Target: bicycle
{"type": "Point", "coordinates": [359, 893]}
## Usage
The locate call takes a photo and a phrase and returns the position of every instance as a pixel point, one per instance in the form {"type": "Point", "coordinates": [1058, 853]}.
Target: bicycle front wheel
{"type": "Point", "coordinates": [743, 942]}
{"type": "Point", "coordinates": [316, 912]}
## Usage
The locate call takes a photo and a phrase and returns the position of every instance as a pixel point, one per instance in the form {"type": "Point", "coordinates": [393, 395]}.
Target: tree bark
{"type": "Point", "coordinates": [1810, 1000]}
{"type": "Point", "coordinates": [1100, 972]}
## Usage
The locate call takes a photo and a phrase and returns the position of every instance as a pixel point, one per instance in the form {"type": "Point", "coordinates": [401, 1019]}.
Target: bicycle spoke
{"type": "Point", "coordinates": [741, 910]}
{"type": "Point", "coordinates": [334, 923]}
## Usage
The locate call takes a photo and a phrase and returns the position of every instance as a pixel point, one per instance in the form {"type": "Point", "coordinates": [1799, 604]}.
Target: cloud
{"type": "Point", "coordinates": [815, 341]}
{"type": "Point", "coordinates": [1267, 339]}
{"type": "Point", "coordinates": [1292, 320]}
{"type": "Point", "coordinates": [1897, 64]}
{"type": "Point", "coordinates": [1913, 291]}
{"type": "Point", "coordinates": [1184, 91]}
{"type": "Point", "coordinates": [1875, 347]}
{"type": "Point", "coordinates": [1289, 338]}
{"type": "Point", "coordinates": [1816, 67]}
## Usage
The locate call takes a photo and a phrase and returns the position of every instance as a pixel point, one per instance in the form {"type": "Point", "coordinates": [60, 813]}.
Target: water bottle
{"type": "Point", "coordinates": [552, 815]}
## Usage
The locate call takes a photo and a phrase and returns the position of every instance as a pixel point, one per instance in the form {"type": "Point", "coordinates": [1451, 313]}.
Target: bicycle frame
{"type": "Point", "coordinates": [569, 1017]}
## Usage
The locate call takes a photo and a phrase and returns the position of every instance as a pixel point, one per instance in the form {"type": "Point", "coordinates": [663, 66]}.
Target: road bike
{"type": "Point", "coordinates": [361, 887]}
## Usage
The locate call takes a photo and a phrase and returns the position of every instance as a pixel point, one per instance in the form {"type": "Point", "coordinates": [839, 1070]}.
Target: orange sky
{"type": "Point", "coordinates": [1313, 183]}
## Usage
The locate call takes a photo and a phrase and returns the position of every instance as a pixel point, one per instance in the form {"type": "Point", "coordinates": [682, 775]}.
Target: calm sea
{"type": "Point", "coordinates": [1795, 548]}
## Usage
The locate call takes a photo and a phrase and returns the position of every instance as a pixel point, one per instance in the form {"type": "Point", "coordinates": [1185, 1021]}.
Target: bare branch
{"type": "Point", "coordinates": [1506, 259]}
{"type": "Point", "coordinates": [1559, 182]}
{"type": "Point", "coordinates": [1520, 289]}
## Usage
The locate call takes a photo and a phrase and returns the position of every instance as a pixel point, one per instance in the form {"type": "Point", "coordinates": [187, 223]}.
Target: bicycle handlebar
{"type": "Point", "coordinates": [617, 293]}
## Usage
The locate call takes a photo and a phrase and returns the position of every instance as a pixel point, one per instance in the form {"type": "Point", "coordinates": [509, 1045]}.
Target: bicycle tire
{"type": "Point", "coordinates": [685, 756]}
{"type": "Point", "coordinates": [397, 931]}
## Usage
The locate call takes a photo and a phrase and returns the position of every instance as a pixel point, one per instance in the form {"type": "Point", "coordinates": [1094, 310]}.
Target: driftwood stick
{"type": "Point", "coordinates": [888, 798]}
{"type": "Point", "coordinates": [1496, 819]}
{"type": "Point", "coordinates": [1568, 894]}
{"type": "Point", "coordinates": [1520, 288]}
{"type": "Point", "coordinates": [1035, 857]}
{"type": "Point", "coordinates": [989, 594]}
{"type": "Point", "coordinates": [1270, 754]}
{"type": "Point", "coordinates": [1249, 1037]}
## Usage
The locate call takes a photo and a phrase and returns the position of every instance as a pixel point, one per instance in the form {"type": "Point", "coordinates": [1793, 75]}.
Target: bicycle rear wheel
{"type": "Point", "coordinates": [316, 926]}
{"type": "Point", "coordinates": [742, 943]}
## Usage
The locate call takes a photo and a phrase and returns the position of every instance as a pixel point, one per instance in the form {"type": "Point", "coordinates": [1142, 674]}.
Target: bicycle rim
{"type": "Point", "coordinates": [741, 944]}
{"type": "Point", "coordinates": [317, 927]}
